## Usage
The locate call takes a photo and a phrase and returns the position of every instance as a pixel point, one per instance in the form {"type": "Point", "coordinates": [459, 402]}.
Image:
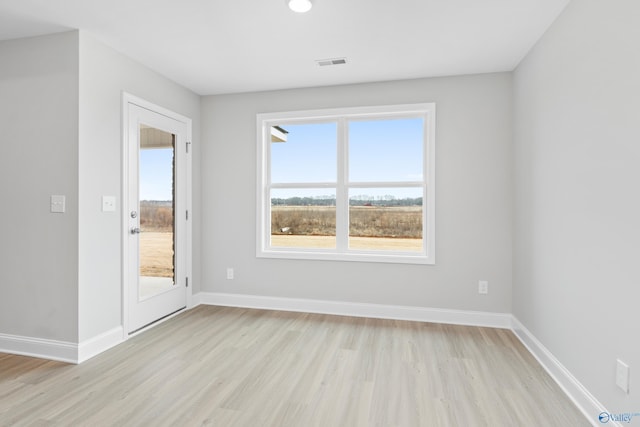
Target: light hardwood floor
{"type": "Point", "coordinates": [220, 366]}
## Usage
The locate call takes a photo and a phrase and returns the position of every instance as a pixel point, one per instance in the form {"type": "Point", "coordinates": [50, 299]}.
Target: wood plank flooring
{"type": "Point", "coordinates": [216, 366]}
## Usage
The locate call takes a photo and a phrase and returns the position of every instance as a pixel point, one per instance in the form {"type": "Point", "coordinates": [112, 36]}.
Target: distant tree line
{"type": "Point", "coordinates": [156, 215]}
{"type": "Point", "coordinates": [407, 201]}
{"type": "Point", "coordinates": [304, 201]}
{"type": "Point", "coordinates": [355, 201]}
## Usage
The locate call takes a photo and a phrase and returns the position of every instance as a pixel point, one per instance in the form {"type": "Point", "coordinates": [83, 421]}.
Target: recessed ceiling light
{"type": "Point", "coordinates": [299, 6]}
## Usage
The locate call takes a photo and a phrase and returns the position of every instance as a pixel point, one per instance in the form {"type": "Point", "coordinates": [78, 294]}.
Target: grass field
{"type": "Point", "coordinates": [364, 221]}
{"type": "Point", "coordinates": [365, 243]}
{"type": "Point", "coordinates": [156, 239]}
{"type": "Point", "coordinates": [156, 248]}
{"type": "Point", "coordinates": [156, 254]}
{"type": "Point", "coordinates": [370, 227]}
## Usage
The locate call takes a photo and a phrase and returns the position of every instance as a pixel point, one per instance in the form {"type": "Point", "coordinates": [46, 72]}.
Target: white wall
{"type": "Point", "coordinates": [39, 139]}
{"type": "Point", "coordinates": [473, 211]}
{"type": "Point", "coordinates": [60, 111]}
{"type": "Point", "coordinates": [104, 75]}
{"type": "Point", "coordinates": [577, 210]}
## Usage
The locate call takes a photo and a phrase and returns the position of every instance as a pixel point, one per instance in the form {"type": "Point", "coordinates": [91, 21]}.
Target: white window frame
{"type": "Point", "coordinates": [264, 123]}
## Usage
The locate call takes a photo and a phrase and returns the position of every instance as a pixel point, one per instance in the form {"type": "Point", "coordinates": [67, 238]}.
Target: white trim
{"type": "Point", "coordinates": [190, 144]}
{"type": "Point", "coordinates": [341, 308]}
{"type": "Point", "coordinates": [579, 395]}
{"type": "Point", "coordinates": [98, 344]}
{"type": "Point", "coordinates": [41, 348]}
{"type": "Point", "coordinates": [129, 99]}
{"type": "Point", "coordinates": [73, 353]}
{"type": "Point", "coordinates": [265, 121]}
{"type": "Point", "coordinates": [196, 300]}
{"type": "Point", "coordinates": [124, 192]}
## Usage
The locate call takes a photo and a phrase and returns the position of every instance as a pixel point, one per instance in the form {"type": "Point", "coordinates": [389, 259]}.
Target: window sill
{"type": "Point", "coordinates": [394, 258]}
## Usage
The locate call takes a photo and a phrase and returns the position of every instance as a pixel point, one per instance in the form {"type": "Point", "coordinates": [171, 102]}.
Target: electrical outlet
{"type": "Point", "coordinates": [622, 375]}
{"type": "Point", "coordinates": [229, 273]}
{"type": "Point", "coordinates": [58, 204]}
{"type": "Point", "coordinates": [483, 287]}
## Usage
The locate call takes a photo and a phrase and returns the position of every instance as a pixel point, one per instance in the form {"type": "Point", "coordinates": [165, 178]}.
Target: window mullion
{"type": "Point", "coordinates": [303, 185]}
{"type": "Point", "coordinates": [387, 184]}
{"type": "Point", "coordinates": [342, 190]}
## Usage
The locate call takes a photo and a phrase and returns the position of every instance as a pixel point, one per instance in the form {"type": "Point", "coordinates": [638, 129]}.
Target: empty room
{"type": "Point", "coordinates": [320, 213]}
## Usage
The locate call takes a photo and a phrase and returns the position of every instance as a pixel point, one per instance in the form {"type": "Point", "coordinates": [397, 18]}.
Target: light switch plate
{"type": "Point", "coordinates": [58, 204]}
{"type": "Point", "coordinates": [483, 287]}
{"type": "Point", "coordinates": [108, 204]}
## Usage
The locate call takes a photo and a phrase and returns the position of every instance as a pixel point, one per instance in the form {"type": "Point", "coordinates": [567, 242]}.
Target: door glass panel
{"type": "Point", "coordinates": [157, 207]}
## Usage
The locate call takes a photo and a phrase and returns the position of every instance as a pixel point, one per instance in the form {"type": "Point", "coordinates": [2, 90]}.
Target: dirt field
{"type": "Point", "coordinates": [156, 248]}
{"type": "Point", "coordinates": [156, 254]}
{"type": "Point", "coordinates": [366, 243]}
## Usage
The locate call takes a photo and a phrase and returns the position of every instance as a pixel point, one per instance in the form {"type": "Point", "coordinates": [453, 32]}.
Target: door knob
{"type": "Point", "coordinates": [135, 230]}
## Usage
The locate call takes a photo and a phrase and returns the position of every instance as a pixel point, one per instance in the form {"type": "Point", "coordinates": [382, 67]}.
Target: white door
{"type": "Point", "coordinates": [156, 215]}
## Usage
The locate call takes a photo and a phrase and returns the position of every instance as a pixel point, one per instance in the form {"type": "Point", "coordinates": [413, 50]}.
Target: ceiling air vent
{"type": "Point", "coordinates": [332, 61]}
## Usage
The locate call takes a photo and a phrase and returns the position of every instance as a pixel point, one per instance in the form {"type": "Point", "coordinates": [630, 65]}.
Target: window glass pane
{"type": "Point", "coordinates": [385, 219]}
{"type": "Point", "coordinates": [304, 153]}
{"type": "Point", "coordinates": [347, 184]}
{"type": "Point", "coordinates": [157, 205]}
{"type": "Point", "coordinates": [386, 150]}
{"type": "Point", "coordinates": [303, 218]}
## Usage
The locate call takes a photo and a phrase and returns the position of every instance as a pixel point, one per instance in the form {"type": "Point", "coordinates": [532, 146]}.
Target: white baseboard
{"type": "Point", "coordinates": [580, 396]}
{"type": "Point", "coordinates": [379, 311]}
{"type": "Point", "coordinates": [96, 345]}
{"type": "Point", "coordinates": [77, 353]}
{"type": "Point", "coordinates": [41, 348]}
{"type": "Point", "coordinates": [60, 350]}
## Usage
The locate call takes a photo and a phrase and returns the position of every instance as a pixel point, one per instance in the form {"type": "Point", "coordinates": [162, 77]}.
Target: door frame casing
{"type": "Point", "coordinates": [129, 99]}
